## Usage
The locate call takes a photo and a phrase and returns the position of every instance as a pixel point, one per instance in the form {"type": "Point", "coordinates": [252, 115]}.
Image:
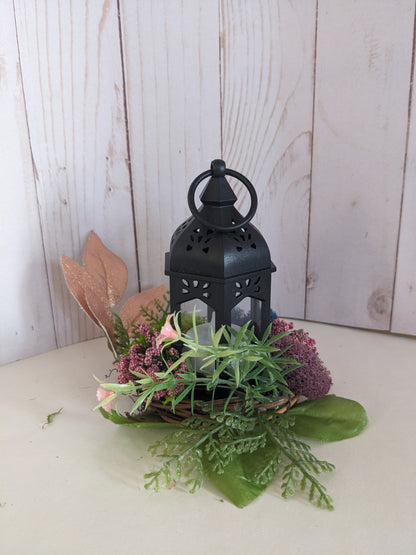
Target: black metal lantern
{"type": "Point", "coordinates": [218, 260]}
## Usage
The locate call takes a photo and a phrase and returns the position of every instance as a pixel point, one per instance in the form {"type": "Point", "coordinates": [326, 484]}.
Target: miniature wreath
{"type": "Point", "coordinates": [237, 410]}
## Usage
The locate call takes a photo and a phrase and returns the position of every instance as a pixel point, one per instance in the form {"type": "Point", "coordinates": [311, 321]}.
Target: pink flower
{"type": "Point", "coordinates": [167, 332]}
{"type": "Point", "coordinates": [102, 394]}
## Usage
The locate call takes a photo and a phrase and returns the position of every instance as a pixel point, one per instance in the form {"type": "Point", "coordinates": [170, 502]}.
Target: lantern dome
{"type": "Point", "coordinates": [201, 249]}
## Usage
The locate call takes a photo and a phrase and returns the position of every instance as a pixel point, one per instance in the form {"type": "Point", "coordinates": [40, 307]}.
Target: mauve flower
{"type": "Point", "coordinates": [167, 332]}
{"type": "Point", "coordinates": [280, 326]}
{"type": "Point", "coordinates": [312, 379]}
{"type": "Point", "coordinates": [123, 367]}
{"type": "Point", "coordinates": [102, 394]}
{"type": "Point", "coordinates": [145, 358]}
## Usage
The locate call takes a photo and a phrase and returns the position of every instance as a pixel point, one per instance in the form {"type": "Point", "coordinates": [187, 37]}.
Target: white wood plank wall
{"type": "Point", "coordinates": [109, 109]}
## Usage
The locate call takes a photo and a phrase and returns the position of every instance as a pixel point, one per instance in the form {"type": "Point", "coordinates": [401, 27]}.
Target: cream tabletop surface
{"type": "Point", "coordinates": [76, 485]}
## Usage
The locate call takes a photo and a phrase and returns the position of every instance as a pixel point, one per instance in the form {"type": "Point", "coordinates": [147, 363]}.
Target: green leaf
{"type": "Point", "coordinates": [219, 369]}
{"type": "Point", "coordinates": [237, 372]}
{"type": "Point", "coordinates": [235, 481]}
{"type": "Point", "coordinates": [121, 388]}
{"type": "Point", "coordinates": [149, 421]}
{"type": "Point", "coordinates": [177, 363]}
{"type": "Point", "coordinates": [330, 418]}
{"type": "Point", "coordinates": [217, 337]}
{"type": "Point", "coordinates": [145, 396]}
{"type": "Point", "coordinates": [239, 336]}
{"type": "Point", "coordinates": [226, 352]}
{"type": "Point", "coordinates": [177, 399]}
{"type": "Point", "coordinates": [252, 358]}
{"type": "Point", "coordinates": [209, 360]}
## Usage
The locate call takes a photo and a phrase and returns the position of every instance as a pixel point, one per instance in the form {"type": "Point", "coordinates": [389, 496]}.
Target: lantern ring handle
{"type": "Point", "coordinates": [223, 171]}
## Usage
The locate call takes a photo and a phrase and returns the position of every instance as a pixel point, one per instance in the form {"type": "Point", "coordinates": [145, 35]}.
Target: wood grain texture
{"type": "Point", "coordinates": [267, 80]}
{"type": "Point", "coordinates": [404, 301]}
{"type": "Point", "coordinates": [362, 84]}
{"type": "Point", "coordinates": [173, 98]}
{"type": "Point", "coordinates": [27, 324]}
{"type": "Point", "coordinates": [172, 84]}
{"type": "Point", "coordinates": [72, 78]}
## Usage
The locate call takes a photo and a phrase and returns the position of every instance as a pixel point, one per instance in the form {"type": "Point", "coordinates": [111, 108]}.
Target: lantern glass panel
{"type": "Point", "coordinates": [247, 309]}
{"type": "Point", "coordinates": [203, 312]}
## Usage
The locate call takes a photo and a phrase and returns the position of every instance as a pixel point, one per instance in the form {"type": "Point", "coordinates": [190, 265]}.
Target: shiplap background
{"type": "Point", "coordinates": [109, 109]}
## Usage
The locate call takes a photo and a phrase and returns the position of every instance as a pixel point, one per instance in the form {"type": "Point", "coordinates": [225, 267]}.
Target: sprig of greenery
{"type": "Point", "coordinates": [182, 449]}
{"type": "Point", "coordinates": [302, 467]}
{"type": "Point", "coordinates": [227, 435]}
{"type": "Point", "coordinates": [121, 336]}
{"type": "Point", "coordinates": [156, 317]}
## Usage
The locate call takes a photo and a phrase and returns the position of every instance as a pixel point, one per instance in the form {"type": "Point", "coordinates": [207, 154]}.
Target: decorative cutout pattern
{"type": "Point", "coordinates": [200, 236]}
{"type": "Point", "coordinates": [243, 238]}
{"type": "Point", "coordinates": [195, 286]}
{"type": "Point", "coordinates": [247, 287]}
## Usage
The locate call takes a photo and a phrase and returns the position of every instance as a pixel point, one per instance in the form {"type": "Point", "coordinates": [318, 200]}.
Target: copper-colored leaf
{"type": "Point", "coordinates": [98, 304]}
{"type": "Point", "coordinates": [77, 278]}
{"type": "Point", "coordinates": [131, 314]}
{"type": "Point", "coordinates": [90, 294]}
{"type": "Point", "coordinates": [106, 268]}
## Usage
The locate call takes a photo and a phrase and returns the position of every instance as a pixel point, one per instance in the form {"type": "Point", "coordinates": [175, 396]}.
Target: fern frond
{"type": "Point", "coordinates": [303, 467]}
{"type": "Point", "coordinates": [235, 420]}
{"type": "Point", "coordinates": [290, 479]}
{"type": "Point", "coordinates": [183, 450]}
{"type": "Point", "coordinates": [217, 455]}
{"type": "Point", "coordinates": [270, 468]}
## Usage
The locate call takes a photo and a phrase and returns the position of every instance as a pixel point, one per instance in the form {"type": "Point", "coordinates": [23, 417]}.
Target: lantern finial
{"type": "Point", "coordinates": [218, 168]}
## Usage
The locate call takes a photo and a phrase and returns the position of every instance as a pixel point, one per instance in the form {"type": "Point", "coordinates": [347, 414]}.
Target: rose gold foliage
{"type": "Point", "coordinates": [131, 314]}
{"type": "Point", "coordinates": [77, 278]}
{"type": "Point", "coordinates": [101, 284]}
{"type": "Point", "coordinates": [98, 286]}
{"type": "Point", "coordinates": [106, 268]}
{"type": "Point", "coordinates": [99, 306]}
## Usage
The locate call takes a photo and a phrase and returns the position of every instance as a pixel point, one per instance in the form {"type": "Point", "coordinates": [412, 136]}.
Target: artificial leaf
{"type": "Point", "coordinates": [105, 267]}
{"type": "Point", "coordinates": [244, 474]}
{"type": "Point", "coordinates": [97, 302]}
{"type": "Point", "coordinates": [99, 285]}
{"type": "Point", "coordinates": [330, 418]}
{"type": "Point", "coordinates": [131, 313]}
{"type": "Point", "coordinates": [77, 278]}
{"type": "Point", "coordinates": [148, 420]}
{"type": "Point", "coordinates": [236, 482]}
